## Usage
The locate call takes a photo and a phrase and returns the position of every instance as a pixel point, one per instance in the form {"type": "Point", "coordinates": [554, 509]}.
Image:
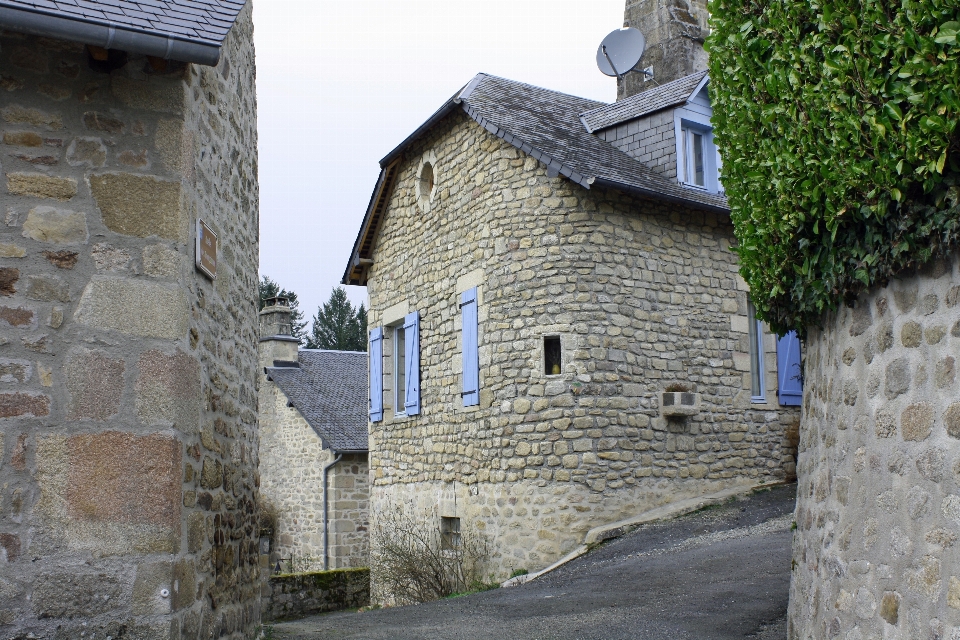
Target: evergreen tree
{"type": "Point", "coordinates": [270, 289]}
{"type": "Point", "coordinates": [338, 326]}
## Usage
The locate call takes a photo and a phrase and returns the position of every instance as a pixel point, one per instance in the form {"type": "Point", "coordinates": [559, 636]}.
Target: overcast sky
{"type": "Point", "coordinates": [340, 83]}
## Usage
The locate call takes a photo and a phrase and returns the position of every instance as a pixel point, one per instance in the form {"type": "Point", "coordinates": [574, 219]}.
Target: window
{"type": "Point", "coordinates": [698, 161]}
{"type": "Point", "coordinates": [755, 328]}
{"type": "Point", "coordinates": [399, 369]}
{"type": "Point", "coordinates": [552, 356]}
{"type": "Point", "coordinates": [693, 169]}
{"type": "Point", "coordinates": [449, 533]}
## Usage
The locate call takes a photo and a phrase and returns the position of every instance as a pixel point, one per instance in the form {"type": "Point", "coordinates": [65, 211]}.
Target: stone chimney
{"type": "Point", "coordinates": [675, 30]}
{"type": "Point", "coordinates": [276, 329]}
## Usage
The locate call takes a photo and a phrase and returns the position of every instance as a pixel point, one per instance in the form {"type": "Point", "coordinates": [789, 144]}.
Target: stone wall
{"type": "Point", "coordinates": [349, 512]}
{"type": "Point", "coordinates": [878, 511]}
{"type": "Point", "coordinates": [641, 294]}
{"type": "Point", "coordinates": [297, 595]}
{"type": "Point", "coordinates": [651, 140]}
{"type": "Point", "coordinates": [292, 458]}
{"type": "Point", "coordinates": [674, 31]}
{"type": "Point", "coordinates": [128, 437]}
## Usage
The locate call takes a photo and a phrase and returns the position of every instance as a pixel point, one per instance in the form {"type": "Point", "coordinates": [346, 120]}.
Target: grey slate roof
{"type": "Point", "coordinates": [329, 389]}
{"type": "Point", "coordinates": [204, 21]}
{"type": "Point", "coordinates": [546, 124]}
{"type": "Point", "coordinates": [641, 104]}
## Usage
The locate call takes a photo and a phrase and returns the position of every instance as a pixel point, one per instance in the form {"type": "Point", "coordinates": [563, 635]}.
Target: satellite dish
{"type": "Point", "coordinates": [620, 51]}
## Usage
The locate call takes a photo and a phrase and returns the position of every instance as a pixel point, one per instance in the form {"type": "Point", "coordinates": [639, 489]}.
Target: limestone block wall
{"type": "Point", "coordinates": [640, 294]}
{"type": "Point", "coordinates": [878, 511]}
{"type": "Point", "coordinates": [292, 458]}
{"type": "Point", "coordinates": [349, 512]}
{"type": "Point", "coordinates": [128, 438]}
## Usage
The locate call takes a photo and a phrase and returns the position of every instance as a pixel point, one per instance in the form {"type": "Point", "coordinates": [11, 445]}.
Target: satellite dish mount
{"type": "Point", "coordinates": [620, 52]}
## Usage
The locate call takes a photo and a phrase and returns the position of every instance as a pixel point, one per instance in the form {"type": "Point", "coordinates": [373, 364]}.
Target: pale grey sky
{"type": "Point", "coordinates": [340, 83]}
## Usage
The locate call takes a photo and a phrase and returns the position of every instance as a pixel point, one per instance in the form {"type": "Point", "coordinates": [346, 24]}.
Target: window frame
{"type": "Point", "coordinates": [399, 353]}
{"type": "Point", "coordinates": [755, 338]}
{"type": "Point", "coordinates": [686, 122]}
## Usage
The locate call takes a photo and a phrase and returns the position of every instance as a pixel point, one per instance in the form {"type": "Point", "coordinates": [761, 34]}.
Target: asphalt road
{"type": "Point", "coordinates": [717, 574]}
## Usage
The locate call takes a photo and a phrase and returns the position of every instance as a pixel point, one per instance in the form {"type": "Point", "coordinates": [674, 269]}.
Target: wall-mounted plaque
{"type": "Point", "coordinates": [206, 249]}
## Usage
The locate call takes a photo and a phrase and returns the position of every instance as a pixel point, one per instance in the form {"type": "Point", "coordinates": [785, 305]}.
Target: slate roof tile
{"type": "Point", "coordinates": [329, 389]}
{"type": "Point", "coordinates": [546, 124]}
{"type": "Point", "coordinates": [204, 21]}
{"type": "Point", "coordinates": [641, 104]}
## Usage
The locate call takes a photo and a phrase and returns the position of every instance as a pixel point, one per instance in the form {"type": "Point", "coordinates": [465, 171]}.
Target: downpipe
{"type": "Point", "coordinates": [326, 508]}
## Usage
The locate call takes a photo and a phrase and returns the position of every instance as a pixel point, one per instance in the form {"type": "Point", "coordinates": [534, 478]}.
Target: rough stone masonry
{"type": "Point", "coordinates": [640, 294]}
{"type": "Point", "coordinates": [128, 440]}
{"type": "Point", "coordinates": [878, 504]}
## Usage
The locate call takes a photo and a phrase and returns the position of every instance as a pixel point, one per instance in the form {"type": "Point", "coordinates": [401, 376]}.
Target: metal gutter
{"type": "Point", "coordinates": [109, 36]}
{"type": "Point", "coordinates": [326, 509]}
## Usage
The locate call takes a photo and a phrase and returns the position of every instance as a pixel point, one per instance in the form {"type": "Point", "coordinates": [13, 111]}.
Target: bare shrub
{"type": "Point", "coordinates": [414, 560]}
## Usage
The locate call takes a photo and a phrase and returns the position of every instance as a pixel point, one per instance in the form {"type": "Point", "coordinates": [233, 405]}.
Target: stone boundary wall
{"type": "Point", "coordinates": [290, 596]}
{"type": "Point", "coordinates": [878, 510]}
{"type": "Point", "coordinates": [641, 295]}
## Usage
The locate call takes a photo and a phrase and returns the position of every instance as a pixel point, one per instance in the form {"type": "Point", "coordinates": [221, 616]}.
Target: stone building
{"type": "Point", "coordinates": [878, 501]}
{"type": "Point", "coordinates": [128, 427]}
{"type": "Point", "coordinates": [544, 273]}
{"type": "Point", "coordinates": [313, 449]}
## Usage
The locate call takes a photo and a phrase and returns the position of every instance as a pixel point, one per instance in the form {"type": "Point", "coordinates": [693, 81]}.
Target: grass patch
{"type": "Point", "coordinates": [477, 586]}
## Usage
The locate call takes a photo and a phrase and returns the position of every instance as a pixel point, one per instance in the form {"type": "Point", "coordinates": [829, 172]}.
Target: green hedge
{"type": "Point", "coordinates": [837, 123]}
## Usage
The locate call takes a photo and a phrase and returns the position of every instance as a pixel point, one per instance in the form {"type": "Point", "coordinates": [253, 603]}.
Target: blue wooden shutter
{"type": "Point", "coordinates": [789, 373]}
{"type": "Point", "coordinates": [376, 375]}
{"type": "Point", "coordinates": [411, 336]}
{"type": "Point", "coordinates": [471, 354]}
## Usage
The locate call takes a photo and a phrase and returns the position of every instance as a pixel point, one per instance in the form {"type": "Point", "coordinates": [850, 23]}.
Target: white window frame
{"type": "Point", "coordinates": [756, 360]}
{"type": "Point", "coordinates": [399, 397]}
{"type": "Point", "coordinates": [687, 120]}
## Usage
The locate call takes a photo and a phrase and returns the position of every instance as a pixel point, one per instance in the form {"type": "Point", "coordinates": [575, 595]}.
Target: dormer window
{"type": "Point", "coordinates": [698, 162]}
{"type": "Point", "coordinates": [693, 171]}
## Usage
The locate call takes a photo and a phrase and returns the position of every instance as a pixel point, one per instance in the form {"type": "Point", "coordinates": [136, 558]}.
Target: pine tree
{"type": "Point", "coordinates": [338, 326]}
{"type": "Point", "coordinates": [270, 289]}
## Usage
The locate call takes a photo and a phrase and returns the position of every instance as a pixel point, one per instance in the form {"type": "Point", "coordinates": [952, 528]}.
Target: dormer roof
{"type": "Point", "coordinates": [671, 94]}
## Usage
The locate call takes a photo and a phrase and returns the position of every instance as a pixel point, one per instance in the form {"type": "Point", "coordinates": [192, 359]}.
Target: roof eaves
{"type": "Point", "coordinates": [659, 195]}
{"type": "Point", "coordinates": [355, 272]}
{"type": "Point", "coordinates": [108, 34]}
{"type": "Point", "coordinates": [437, 116]}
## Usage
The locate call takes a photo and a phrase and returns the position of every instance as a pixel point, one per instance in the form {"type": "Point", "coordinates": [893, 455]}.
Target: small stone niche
{"type": "Point", "coordinates": [679, 404]}
{"type": "Point", "coordinates": [552, 356]}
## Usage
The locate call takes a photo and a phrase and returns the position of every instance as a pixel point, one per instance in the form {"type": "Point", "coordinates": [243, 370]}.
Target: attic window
{"type": "Point", "coordinates": [426, 180]}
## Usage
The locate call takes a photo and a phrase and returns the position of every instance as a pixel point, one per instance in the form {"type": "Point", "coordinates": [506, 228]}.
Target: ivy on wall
{"type": "Point", "coordinates": [837, 123]}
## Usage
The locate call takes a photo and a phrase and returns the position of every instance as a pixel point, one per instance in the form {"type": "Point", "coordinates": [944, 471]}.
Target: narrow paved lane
{"type": "Point", "coordinates": [718, 574]}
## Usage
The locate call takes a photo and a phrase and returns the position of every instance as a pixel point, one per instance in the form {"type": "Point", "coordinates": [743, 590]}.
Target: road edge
{"type": "Point", "coordinates": [619, 528]}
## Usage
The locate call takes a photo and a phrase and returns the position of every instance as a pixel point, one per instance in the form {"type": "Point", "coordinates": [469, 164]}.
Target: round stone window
{"type": "Point", "coordinates": [426, 181]}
